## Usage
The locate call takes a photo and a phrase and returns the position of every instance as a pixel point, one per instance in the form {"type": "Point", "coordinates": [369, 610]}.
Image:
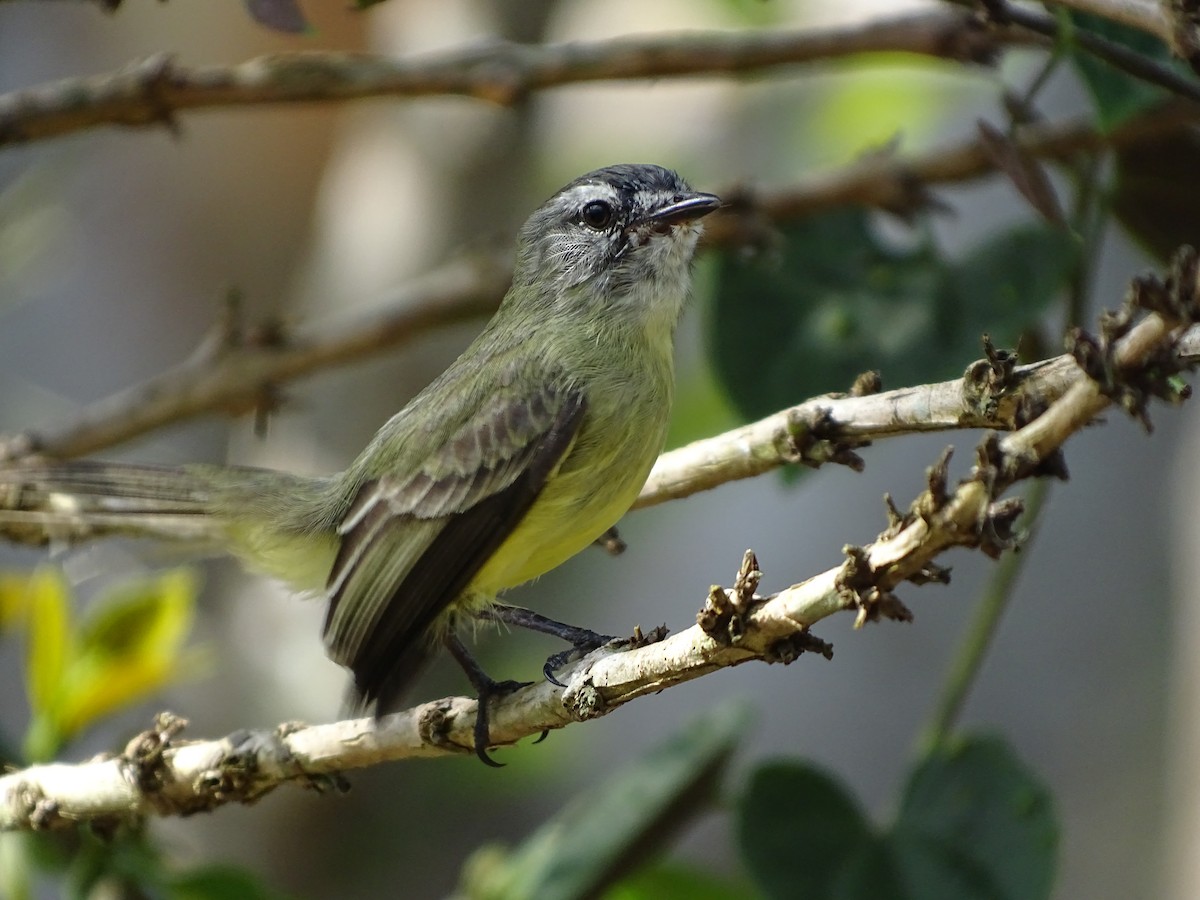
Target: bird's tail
{"type": "Point", "coordinates": [44, 502]}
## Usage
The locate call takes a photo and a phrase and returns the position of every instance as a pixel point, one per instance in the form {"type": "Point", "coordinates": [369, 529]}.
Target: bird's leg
{"type": "Point", "coordinates": [486, 689]}
{"type": "Point", "coordinates": [582, 640]}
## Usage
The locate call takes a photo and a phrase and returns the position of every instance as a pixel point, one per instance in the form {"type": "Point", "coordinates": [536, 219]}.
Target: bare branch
{"type": "Point", "coordinates": [156, 90]}
{"type": "Point", "coordinates": [234, 375]}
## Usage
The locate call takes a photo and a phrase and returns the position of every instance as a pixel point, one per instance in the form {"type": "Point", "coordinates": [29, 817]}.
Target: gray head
{"type": "Point", "coordinates": [612, 235]}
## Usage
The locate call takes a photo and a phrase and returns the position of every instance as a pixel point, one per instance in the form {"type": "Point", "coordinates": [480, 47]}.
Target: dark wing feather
{"type": "Point", "coordinates": [410, 547]}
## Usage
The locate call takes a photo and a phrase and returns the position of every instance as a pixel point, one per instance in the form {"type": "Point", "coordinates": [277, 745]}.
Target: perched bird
{"type": "Point", "coordinates": [525, 450]}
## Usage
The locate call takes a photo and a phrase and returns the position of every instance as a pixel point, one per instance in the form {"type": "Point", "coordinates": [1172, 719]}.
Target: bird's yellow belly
{"type": "Point", "coordinates": [564, 520]}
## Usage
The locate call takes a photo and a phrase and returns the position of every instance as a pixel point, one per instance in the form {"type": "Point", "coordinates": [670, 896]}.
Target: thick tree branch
{"type": "Point", "coordinates": [235, 371]}
{"type": "Point", "coordinates": [159, 775]}
{"type": "Point", "coordinates": [157, 90]}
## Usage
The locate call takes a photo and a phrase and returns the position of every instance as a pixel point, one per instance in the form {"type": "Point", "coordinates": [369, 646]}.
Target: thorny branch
{"type": "Point", "coordinates": [1136, 356]}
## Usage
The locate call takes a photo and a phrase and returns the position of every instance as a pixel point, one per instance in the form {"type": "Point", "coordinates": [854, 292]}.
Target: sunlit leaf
{"type": "Point", "coordinates": [48, 639]}
{"type": "Point", "coordinates": [676, 882]}
{"type": "Point", "coordinates": [130, 648]}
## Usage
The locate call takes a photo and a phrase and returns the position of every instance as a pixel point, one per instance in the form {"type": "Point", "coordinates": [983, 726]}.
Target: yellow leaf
{"type": "Point", "coordinates": [49, 639]}
{"type": "Point", "coordinates": [14, 595]}
{"type": "Point", "coordinates": [129, 648]}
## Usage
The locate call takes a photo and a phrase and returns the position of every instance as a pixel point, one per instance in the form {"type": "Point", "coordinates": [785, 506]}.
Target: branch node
{"type": "Point", "coordinates": [144, 756]}
{"type": "Point", "coordinates": [153, 76]}
{"type": "Point", "coordinates": [866, 384]}
{"type": "Point", "coordinates": [788, 649]}
{"type": "Point", "coordinates": [583, 700]}
{"type": "Point", "coordinates": [433, 725]}
{"type": "Point", "coordinates": [996, 528]}
{"type": "Point", "coordinates": [817, 441]}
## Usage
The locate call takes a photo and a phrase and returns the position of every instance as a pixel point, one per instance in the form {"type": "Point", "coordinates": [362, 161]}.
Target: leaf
{"type": "Point", "coordinates": [599, 835]}
{"type": "Point", "coordinates": [674, 882]}
{"type": "Point", "coordinates": [48, 641]}
{"type": "Point", "coordinates": [802, 834]}
{"type": "Point", "coordinates": [975, 822]}
{"type": "Point", "coordinates": [1156, 195]}
{"type": "Point", "coordinates": [828, 304]}
{"type": "Point", "coordinates": [1004, 285]}
{"type": "Point", "coordinates": [1117, 96]}
{"type": "Point", "coordinates": [220, 883]}
{"type": "Point", "coordinates": [130, 646]}
{"type": "Point", "coordinates": [279, 15]}
{"type": "Point", "coordinates": [834, 302]}
{"type": "Point", "coordinates": [1024, 170]}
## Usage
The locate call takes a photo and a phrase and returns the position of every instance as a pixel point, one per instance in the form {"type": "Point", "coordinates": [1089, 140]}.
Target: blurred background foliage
{"type": "Point", "coordinates": [115, 251]}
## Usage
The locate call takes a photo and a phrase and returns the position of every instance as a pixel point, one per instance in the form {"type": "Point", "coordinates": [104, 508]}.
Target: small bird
{"type": "Point", "coordinates": [532, 444]}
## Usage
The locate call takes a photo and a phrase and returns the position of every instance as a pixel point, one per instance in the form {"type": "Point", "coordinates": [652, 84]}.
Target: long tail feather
{"type": "Point", "coordinates": [45, 502]}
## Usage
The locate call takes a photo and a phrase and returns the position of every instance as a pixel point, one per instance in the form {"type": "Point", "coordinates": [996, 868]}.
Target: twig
{"type": "Point", "coordinates": [1111, 52]}
{"type": "Point", "coordinates": [159, 775]}
{"type": "Point", "coordinates": [156, 90]}
{"type": "Point", "coordinates": [1144, 15]}
{"type": "Point", "coordinates": [235, 376]}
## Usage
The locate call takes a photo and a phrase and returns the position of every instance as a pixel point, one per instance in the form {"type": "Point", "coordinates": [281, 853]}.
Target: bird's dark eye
{"type": "Point", "coordinates": [597, 214]}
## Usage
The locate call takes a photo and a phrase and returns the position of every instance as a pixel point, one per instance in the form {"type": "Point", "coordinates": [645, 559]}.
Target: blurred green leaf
{"type": "Point", "coordinates": [601, 834]}
{"type": "Point", "coordinates": [833, 301]}
{"type": "Point", "coordinates": [220, 883]}
{"type": "Point", "coordinates": [800, 831]}
{"type": "Point", "coordinates": [975, 822]}
{"type": "Point", "coordinates": [130, 646]}
{"type": "Point", "coordinates": [1115, 95]}
{"type": "Point", "coordinates": [674, 882]}
{"type": "Point", "coordinates": [1156, 195]}
{"type": "Point", "coordinates": [1006, 283]}
{"type": "Point", "coordinates": [828, 303]}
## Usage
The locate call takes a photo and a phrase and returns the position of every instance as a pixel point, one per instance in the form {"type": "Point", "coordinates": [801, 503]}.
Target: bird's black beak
{"type": "Point", "coordinates": [683, 208]}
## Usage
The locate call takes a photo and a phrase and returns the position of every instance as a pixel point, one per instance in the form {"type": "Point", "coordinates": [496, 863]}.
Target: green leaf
{"type": "Point", "coordinates": [834, 302]}
{"type": "Point", "coordinates": [675, 882]}
{"type": "Point", "coordinates": [1115, 95]}
{"type": "Point", "coordinates": [830, 302]}
{"type": "Point", "coordinates": [802, 834]}
{"type": "Point", "coordinates": [975, 823]}
{"type": "Point", "coordinates": [1006, 283]}
{"type": "Point", "coordinates": [600, 835]}
{"type": "Point", "coordinates": [220, 883]}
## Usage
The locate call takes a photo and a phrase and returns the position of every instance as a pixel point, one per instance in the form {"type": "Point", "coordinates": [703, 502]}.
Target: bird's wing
{"type": "Point", "coordinates": [410, 545]}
